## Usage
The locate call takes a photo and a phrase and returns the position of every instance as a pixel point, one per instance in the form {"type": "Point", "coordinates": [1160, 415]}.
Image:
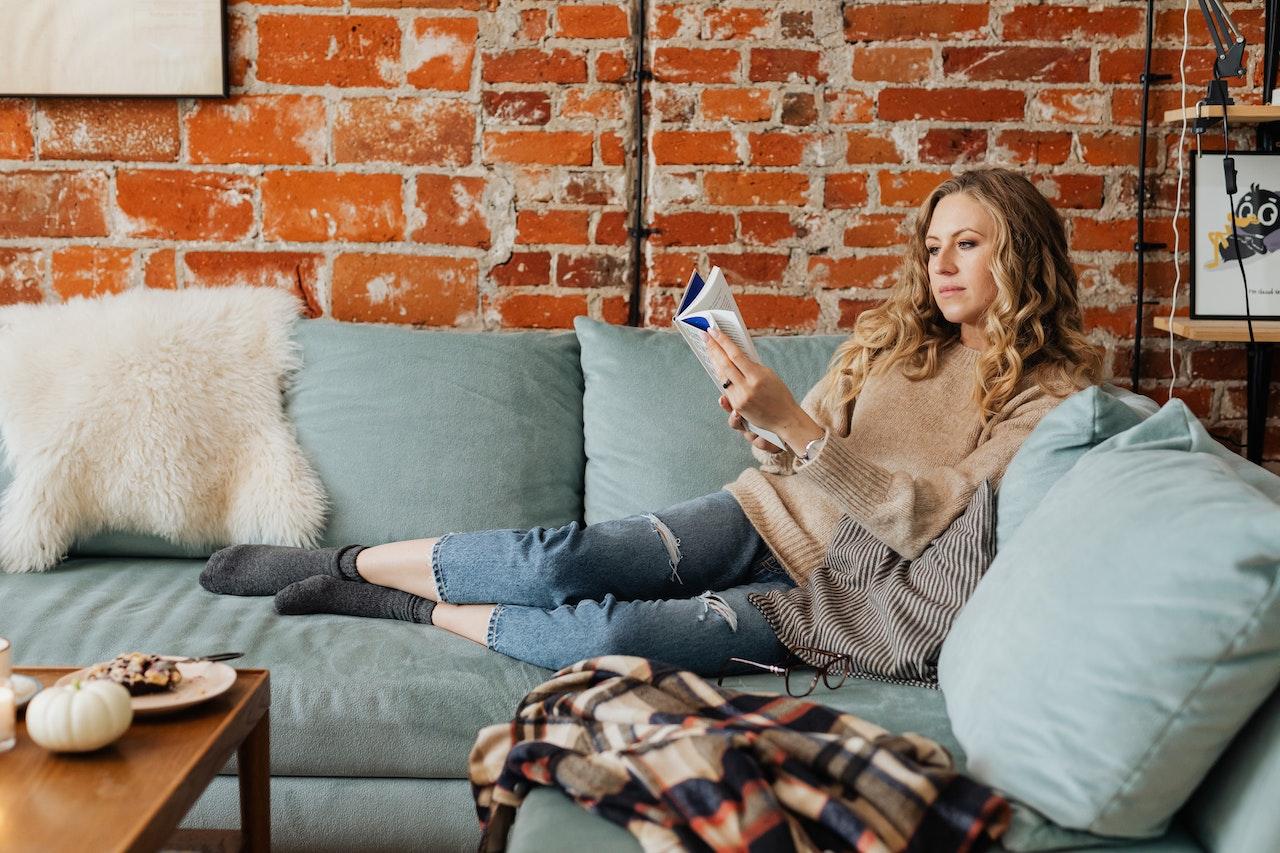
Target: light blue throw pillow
{"type": "Point", "coordinates": [654, 432]}
{"type": "Point", "coordinates": [1076, 425]}
{"type": "Point", "coordinates": [1124, 634]}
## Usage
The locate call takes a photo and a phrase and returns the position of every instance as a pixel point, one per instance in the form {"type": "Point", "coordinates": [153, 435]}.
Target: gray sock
{"type": "Point", "coordinates": [267, 569]}
{"type": "Point", "coordinates": [325, 594]}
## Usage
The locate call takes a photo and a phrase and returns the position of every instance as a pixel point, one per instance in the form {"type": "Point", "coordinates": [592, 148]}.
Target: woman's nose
{"type": "Point", "coordinates": [945, 261]}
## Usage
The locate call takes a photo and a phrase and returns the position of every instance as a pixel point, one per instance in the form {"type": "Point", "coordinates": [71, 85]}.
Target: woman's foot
{"type": "Point", "coordinates": [267, 569]}
{"type": "Point", "coordinates": [325, 594]}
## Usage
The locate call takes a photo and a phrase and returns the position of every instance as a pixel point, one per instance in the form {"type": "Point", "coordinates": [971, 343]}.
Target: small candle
{"type": "Point", "coordinates": [8, 717]}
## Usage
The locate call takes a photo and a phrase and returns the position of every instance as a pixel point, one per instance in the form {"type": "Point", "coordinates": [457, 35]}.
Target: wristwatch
{"type": "Point", "coordinates": [811, 449]}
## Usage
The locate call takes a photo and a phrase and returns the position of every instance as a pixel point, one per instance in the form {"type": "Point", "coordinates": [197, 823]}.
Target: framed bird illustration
{"type": "Point", "coordinates": [1219, 250]}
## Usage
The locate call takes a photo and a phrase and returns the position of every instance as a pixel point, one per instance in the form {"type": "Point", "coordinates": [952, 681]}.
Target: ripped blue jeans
{"type": "Point", "coordinates": [670, 585]}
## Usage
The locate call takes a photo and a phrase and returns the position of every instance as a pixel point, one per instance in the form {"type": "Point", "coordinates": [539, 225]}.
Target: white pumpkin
{"type": "Point", "coordinates": [80, 716]}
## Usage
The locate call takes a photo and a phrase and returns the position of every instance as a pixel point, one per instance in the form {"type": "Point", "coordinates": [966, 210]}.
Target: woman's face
{"type": "Point", "coordinates": [960, 242]}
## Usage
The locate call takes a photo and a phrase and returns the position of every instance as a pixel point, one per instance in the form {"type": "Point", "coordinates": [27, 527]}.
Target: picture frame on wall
{"type": "Point", "coordinates": [1216, 254]}
{"type": "Point", "coordinates": [92, 48]}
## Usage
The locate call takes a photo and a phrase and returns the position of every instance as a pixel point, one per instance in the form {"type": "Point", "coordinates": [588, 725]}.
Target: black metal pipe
{"type": "Point", "coordinates": [639, 231]}
{"type": "Point", "coordinates": [1135, 369]}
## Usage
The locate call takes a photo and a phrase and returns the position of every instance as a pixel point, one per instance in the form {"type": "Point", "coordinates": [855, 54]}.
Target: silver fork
{"type": "Point", "coordinates": [217, 657]}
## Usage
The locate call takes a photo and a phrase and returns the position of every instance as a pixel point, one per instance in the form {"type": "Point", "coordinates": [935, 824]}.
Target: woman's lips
{"type": "Point", "coordinates": [947, 291]}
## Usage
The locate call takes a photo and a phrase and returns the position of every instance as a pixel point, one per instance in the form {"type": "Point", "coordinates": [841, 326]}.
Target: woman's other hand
{"type": "Point", "coordinates": [737, 422]}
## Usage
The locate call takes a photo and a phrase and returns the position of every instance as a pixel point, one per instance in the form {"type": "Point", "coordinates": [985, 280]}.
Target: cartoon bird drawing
{"type": "Point", "coordinates": [1257, 216]}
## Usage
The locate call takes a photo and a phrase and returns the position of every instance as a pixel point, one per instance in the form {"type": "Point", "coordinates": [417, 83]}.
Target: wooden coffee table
{"type": "Point", "coordinates": [131, 795]}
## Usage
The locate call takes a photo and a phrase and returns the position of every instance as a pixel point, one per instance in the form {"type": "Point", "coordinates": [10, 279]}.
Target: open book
{"type": "Point", "coordinates": [708, 305]}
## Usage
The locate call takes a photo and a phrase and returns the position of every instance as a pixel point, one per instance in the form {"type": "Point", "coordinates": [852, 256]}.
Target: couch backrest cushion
{"type": "Point", "coordinates": [1082, 421]}
{"type": "Point", "coordinates": [655, 434]}
{"type": "Point", "coordinates": [417, 433]}
{"type": "Point", "coordinates": [1124, 634]}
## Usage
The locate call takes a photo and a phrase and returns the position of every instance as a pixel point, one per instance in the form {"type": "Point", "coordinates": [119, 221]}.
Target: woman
{"type": "Point", "coordinates": [981, 337]}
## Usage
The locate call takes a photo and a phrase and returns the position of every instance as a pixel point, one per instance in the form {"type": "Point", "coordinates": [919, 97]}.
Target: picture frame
{"type": "Point", "coordinates": [114, 48]}
{"type": "Point", "coordinates": [1217, 290]}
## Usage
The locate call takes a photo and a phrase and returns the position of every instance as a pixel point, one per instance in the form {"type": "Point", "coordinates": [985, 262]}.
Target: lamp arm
{"type": "Point", "coordinates": [1230, 60]}
{"type": "Point", "coordinates": [1208, 13]}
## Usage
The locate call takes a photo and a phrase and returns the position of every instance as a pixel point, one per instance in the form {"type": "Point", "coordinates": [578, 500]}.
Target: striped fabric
{"type": "Point", "coordinates": [890, 614]}
{"type": "Point", "coordinates": [685, 765]}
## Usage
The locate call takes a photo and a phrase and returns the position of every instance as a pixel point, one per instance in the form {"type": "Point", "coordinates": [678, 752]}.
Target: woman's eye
{"type": "Point", "coordinates": [966, 244]}
{"type": "Point", "coordinates": [933, 250]}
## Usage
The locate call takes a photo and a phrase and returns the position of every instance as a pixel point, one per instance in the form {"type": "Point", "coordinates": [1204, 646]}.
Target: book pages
{"type": "Point", "coordinates": [710, 305]}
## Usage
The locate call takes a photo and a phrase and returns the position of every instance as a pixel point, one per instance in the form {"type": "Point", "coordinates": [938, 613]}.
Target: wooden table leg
{"type": "Point", "coordinates": [254, 760]}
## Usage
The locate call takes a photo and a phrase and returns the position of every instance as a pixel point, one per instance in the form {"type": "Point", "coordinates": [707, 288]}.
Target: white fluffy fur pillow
{"type": "Point", "coordinates": [152, 411]}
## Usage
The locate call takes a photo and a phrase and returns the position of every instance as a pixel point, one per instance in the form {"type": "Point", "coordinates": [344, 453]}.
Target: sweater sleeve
{"type": "Point", "coordinates": [906, 511]}
{"type": "Point", "coordinates": [774, 463]}
{"type": "Point", "coordinates": [785, 462]}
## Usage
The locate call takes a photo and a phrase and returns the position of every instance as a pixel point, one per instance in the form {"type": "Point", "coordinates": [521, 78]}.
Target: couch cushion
{"type": "Point", "coordinates": [1081, 422]}
{"type": "Point", "coordinates": [676, 443]}
{"type": "Point", "coordinates": [420, 433]}
{"type": "Point", "coordinates": [349, 697]}
{"type": "Point", "coordinates": [1124, 634]}
{"type": "Point", "coordinates": [416, 433]}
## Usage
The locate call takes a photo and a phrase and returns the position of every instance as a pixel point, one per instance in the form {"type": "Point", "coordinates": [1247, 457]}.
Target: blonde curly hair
{"type": "Point", "coordinates": [1034, 326]}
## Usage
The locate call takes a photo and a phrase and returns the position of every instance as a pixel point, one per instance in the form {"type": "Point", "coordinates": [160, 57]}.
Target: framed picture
{"type": "Point", "coordinates": [155, 48]}
{"type": "Point", "coordinates": [1217, 288]}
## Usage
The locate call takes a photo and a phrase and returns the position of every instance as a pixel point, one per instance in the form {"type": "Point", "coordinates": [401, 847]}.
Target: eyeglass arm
{"type": "Point", "coordinates": [776, 670]}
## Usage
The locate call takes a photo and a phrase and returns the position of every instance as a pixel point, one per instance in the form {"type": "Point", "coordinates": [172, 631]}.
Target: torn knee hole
{"type": "Point", "coordinates": [711, 602]}
{"type": "Point", "coordinates": [670, 541]}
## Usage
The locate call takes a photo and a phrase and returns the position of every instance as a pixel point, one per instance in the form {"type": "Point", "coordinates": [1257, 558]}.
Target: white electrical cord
{"type": "Point", "coordinates": [1177, 205]}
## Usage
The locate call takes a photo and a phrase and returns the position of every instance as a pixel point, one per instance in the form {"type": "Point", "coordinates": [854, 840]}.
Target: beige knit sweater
{"type": "Point", "coordinates": [903, 460]}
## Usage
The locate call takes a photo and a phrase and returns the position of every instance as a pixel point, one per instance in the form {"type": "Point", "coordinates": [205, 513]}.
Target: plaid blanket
{"type": "Point", "coordinates": [683, 764]}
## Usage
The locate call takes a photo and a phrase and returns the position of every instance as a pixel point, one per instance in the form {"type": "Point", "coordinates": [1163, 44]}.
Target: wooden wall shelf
{"type": "Point", "coordinates": [1236, 113]}
{"type": "Point", "coordinates": [1264, 331]}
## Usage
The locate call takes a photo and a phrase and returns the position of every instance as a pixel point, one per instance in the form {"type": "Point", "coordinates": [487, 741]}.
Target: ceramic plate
{"type": "Point", "coordinates": [24, 686]}
{"type": "Point", "coordinates": [200, 683]}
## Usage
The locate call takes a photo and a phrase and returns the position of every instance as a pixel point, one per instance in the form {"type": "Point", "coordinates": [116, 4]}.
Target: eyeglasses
{"type": "Point", "coordinates": [799, 681]}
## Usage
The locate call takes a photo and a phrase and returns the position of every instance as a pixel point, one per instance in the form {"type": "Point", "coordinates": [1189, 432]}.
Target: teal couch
{"type": "Point", "coordinates": [419, 433]}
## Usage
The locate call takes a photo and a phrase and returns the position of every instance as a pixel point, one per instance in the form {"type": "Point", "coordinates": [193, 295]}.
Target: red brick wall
{"type": "Point", "coordinates": [466, 163]}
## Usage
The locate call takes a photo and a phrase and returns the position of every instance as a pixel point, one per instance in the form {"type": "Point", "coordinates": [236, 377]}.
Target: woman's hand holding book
{"type": "Point", "coordinates": [759, 395]}
{"type": "Point", "coordinates": [739, 423]}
